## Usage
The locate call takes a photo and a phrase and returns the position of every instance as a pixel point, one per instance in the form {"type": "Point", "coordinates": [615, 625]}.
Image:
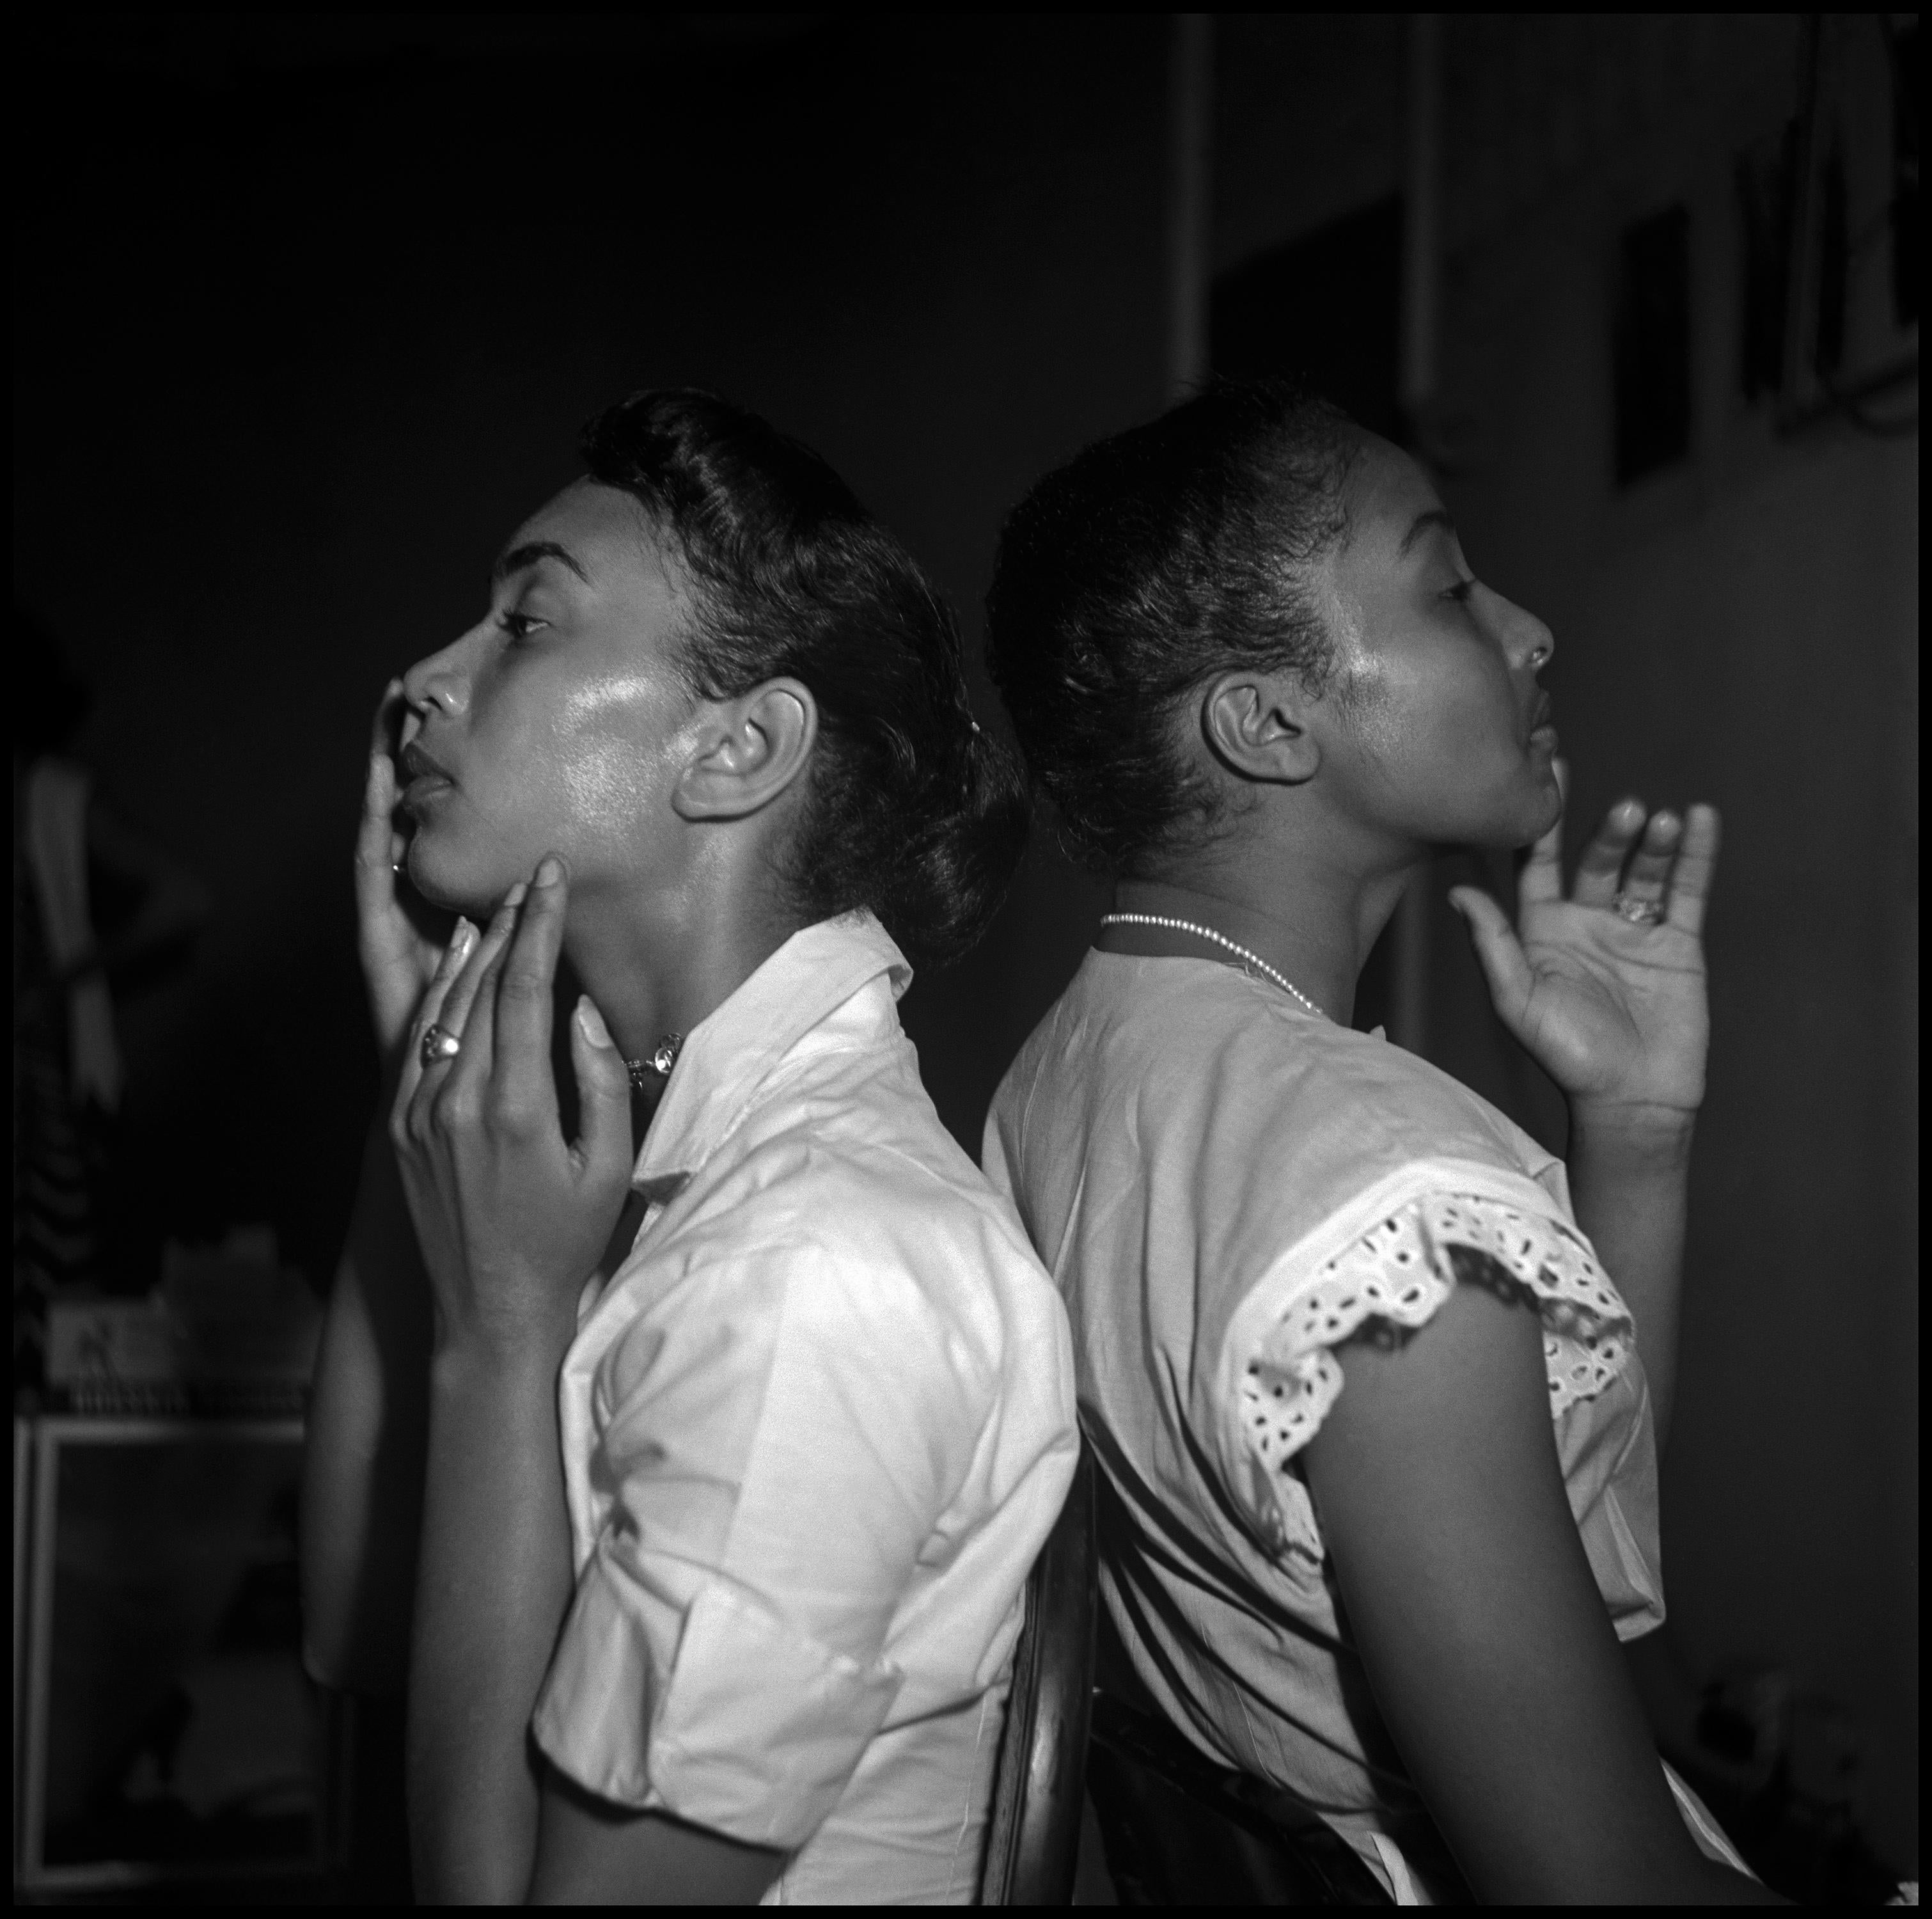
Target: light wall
{"type": "Point", "coordinates": [1742, 628]}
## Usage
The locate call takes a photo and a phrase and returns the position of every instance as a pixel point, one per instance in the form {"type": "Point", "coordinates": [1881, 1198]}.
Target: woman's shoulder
{"type": "Point", "coordinates": [1192, 1055]}
{"type": "Point", "coordinates": [861, 1209]}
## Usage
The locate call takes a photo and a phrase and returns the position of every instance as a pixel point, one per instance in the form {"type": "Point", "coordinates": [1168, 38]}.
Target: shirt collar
{"type": "Point", "coordinates": [729, 1054]}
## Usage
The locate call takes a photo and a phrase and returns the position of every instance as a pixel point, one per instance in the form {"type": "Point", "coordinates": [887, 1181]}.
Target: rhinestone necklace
{"type": "Point", "coordinates": [1254, 959]}
{"type": "Point", "coordinates": [648, 1075]}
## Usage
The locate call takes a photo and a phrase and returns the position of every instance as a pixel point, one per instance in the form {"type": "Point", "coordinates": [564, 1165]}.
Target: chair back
{"type": "Point", "coordinates": [1178, 1829]}
{"type": "Point", "coordinates": [1032, 1839]}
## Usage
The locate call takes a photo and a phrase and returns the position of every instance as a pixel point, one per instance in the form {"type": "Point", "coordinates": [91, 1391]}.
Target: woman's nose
{"type": "Point", "coordinates": [439, 683]}
{"type": "Point", "coordinates": [1530, 645]}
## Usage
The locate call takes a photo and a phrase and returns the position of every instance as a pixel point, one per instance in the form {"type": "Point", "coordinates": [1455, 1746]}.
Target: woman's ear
{"type": "Point", "coordinates": [748, 751]}
{"type": "Point", "coordinates": [1256, 724]}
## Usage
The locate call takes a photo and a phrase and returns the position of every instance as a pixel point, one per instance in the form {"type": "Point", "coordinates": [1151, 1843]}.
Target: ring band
{"type": "Point", "coordinates": [1639, 912]}
{"type": "Point", "coordinates": [437, 1042]}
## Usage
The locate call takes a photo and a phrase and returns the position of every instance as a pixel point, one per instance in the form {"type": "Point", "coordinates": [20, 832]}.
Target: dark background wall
{"type": "Point", "coordinates": [312, 318]}
{"type": "Point", "coordinates": [308, 314]}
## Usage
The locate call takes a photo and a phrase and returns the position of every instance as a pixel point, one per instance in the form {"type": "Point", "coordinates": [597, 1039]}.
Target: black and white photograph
{"type": "Point", "coordinates": [965, 959]}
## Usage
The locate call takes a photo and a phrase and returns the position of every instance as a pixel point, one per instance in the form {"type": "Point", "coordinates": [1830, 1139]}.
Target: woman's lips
{"type": "Point", "coordinates": [1542, 724]}
{"type": "Point", "coordinates": [428, 779]}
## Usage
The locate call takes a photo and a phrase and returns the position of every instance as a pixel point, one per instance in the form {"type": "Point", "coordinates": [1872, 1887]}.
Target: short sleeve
{"type": "Point", "coordinates": [1391, 1274]}
{"type": "Point", "coordinates": [774, 1462]}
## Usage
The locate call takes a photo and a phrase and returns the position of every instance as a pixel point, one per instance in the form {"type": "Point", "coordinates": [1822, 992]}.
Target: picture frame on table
{"type": "Point", "coordinates": [166, 1730]}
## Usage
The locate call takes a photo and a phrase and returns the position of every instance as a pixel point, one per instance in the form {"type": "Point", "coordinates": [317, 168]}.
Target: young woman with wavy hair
{"type": "Point", "coordinates": [690, 1491]}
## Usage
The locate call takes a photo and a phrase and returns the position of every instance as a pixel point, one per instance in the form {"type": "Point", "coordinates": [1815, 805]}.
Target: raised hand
{"type": "Point", "coordinates": [512, 1217]}
{"type": "Point", "coordinates": [396, 932]}
{"type": "Point", "coordinates": [1606, 987]}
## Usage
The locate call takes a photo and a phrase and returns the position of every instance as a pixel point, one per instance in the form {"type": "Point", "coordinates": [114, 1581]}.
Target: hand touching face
{"type": "Point", "coordinates": [511, 1216]}
{"type": "Point", "coordinates": [554, 722]}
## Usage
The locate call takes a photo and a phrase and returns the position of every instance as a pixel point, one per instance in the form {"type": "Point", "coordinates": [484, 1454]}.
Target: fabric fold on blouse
{"type": "Point", "coordinates": [816, 1428]}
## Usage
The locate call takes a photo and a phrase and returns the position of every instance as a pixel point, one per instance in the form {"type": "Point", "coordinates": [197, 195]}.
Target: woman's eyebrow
{"type": "Point", "coordinates": [518, 557]}
{"type": "Point", "coordinates": [1436, 516]}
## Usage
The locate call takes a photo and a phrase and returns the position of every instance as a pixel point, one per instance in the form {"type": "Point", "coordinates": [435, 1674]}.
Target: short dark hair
{"type": "Point", "coordinates": [911, 809]}
{"type": "Point", "coordinates": [1149, 563]}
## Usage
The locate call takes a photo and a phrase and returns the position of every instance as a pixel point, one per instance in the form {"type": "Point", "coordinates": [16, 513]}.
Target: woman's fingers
{"type": "Point", "coordinates": [449, 1008]}
{"type": "Point", "coordinates": [1602, 865]}
{"type": "Point", "coordinates": [376, 837]}
{"type": "Point", "coordinates": [1648, 872]}
{"type": "Point", "coordinates": [1541, 879]}
{"type": "Point", "coordinates": [462, 1014]}
{"type": "Point", "coordinates": [462, 943]}
{"type": "Point", "coordinates": [1498, 951]}
{"type": "Point", "coordinates": [382, 728]}
{"type": "Point", "coordinates": [1697, 866]}
{"type": "Point", "coordinates": [523, 1090]}
{"type": "Point", "coordinates": [604, 1142]}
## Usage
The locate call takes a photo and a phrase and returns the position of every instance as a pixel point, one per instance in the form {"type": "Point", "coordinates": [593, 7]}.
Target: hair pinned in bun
{"type": "Point", "coordinates": [911, 809]}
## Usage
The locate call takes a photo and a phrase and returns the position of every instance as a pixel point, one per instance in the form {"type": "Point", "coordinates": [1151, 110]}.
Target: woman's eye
{"type": "Point", "coordinates": [521, 625]}
{"type": "Point", "coordinates": [1460, 592]}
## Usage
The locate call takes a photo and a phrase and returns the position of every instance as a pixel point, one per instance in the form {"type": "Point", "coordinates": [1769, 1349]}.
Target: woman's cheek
{"type": "Point", "coordinates": [602, 784]}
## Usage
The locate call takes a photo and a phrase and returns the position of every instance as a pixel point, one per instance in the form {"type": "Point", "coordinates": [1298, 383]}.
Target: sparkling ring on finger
{"type": "Point", "coordinates": [1639, 912]}
{"type": "Point", "coordinates": [437, 1042]}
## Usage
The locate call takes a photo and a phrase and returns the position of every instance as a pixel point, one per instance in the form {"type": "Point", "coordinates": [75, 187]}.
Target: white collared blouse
{"type": "Point", "coordinates": [815, 1430]}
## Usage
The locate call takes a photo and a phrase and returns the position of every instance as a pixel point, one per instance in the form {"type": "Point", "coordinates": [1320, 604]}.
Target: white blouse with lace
{"type": "Point", "coordinates": [1396, 1274]}
{"type": "Point", "coordinates": [1227, 1190]}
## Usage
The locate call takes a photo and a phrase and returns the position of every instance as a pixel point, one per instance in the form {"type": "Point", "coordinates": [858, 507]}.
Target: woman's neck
{"type": "Point", "coordinates": [1314, 922]}
{"type": "Point", "coordinates": [663, 971]}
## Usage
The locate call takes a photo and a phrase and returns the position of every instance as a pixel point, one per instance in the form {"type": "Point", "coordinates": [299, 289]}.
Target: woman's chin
{"type": "Point", "coordinates": [1520, 823]}
{"type": "Point", "coordinates": [455, 886]}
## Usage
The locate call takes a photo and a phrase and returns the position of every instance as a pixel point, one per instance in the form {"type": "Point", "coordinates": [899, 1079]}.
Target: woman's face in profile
{"type": "Point", "coordinates": [553, 724]}
{"type": "Point", "coordinates": [1448, 737]}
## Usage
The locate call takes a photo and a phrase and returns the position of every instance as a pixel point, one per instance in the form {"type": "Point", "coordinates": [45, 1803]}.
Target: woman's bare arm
{"type": "Point", "coordinates": [592, 1854]}
{"type": "Point", "coordinates": [1630, 1182]}
{"type": "Point", "coordinates": [362, 1470]}
{"type": "Point", "coordinates": [1485, 1640]}
{"type": "Point", "coordinates": [362, 1473]}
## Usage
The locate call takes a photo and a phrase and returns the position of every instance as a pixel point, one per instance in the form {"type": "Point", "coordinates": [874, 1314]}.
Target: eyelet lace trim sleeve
{"type": "Point", "coordinates": [1392, 1279]}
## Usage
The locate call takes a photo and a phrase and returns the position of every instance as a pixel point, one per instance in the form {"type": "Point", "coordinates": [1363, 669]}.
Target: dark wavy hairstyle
{"type": "Point", "coordinates": [910, 809]}
{"type": "Point", "coordinates": [1148, 563]}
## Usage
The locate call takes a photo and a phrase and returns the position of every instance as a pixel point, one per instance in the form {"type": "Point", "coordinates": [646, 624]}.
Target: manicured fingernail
{"type": "Point", "coordinates": [460, 941]}
{"type": "Point", "coordinates": [514, 897]}
{"type": "Point", "coordinates": [591, 1021]}
{"type": "Point", "coordinates": [549, 870]}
